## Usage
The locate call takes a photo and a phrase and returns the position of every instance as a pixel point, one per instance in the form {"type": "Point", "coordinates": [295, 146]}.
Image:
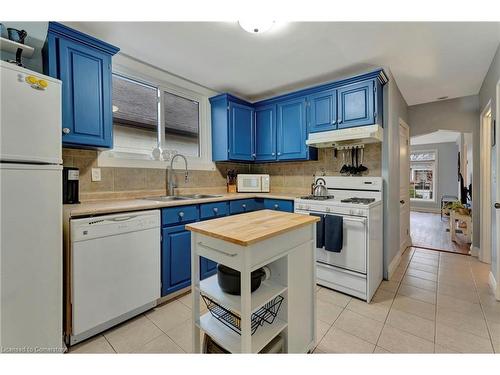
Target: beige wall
{"type": "Point", "coordinates": [293, 177]}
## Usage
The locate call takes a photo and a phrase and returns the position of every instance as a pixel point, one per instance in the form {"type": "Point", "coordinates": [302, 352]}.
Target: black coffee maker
{"type": "Point", "coordinates": [71, 180]}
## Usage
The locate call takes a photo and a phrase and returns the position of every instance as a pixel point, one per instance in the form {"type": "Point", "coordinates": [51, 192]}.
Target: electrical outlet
{"type": "Point", "coordinates": [96, 174]}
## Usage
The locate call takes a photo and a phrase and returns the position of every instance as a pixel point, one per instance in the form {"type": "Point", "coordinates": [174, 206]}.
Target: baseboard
{"type": "Point", "coordinates": [494, 286]}
{"type": "Point", "coordinates": [395, 263]}
{"type": "Point", "coordinates": [474, 251]}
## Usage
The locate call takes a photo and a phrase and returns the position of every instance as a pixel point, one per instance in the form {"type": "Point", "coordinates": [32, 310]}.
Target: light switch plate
{"type": "Point", "coordinates": [96, 174]}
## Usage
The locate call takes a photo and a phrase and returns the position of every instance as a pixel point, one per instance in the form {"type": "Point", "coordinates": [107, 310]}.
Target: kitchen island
{"type": "Point", "coordinates": [284, 304]}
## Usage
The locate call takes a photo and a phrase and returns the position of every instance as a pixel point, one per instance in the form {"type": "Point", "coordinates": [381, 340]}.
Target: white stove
{"type": "Point", "coordinates": [357, 268]}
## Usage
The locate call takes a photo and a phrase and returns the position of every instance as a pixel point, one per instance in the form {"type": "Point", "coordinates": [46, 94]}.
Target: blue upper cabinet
{"type": "Point", "coordinates": [241, 132]}
{"type": "Point", "coordinates": [83, 64]}
{"type": "Point", "coordinates": [322, 111]}
{"type": "Point", "coordinates": [292, 129]}
{"type": "Point", "coordinates": [233, 129]}
{"type": "Point", "coordinates": [356, 105]}
{"type": "Point", "coordinates": [265, 133]}
{"type": "Point", "coordinates": [276, 129]}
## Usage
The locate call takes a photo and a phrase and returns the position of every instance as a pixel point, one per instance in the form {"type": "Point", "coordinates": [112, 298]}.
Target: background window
{"type": "Point", "coordinates": [135, 116]}
{"type": "Point", "coordinates": [182, 124]}
{"type": "Point", "coordinates": [422, 175]}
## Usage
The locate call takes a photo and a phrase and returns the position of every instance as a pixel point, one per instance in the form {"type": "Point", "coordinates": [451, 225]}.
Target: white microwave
{"type": "Point", "coordinates": [253, 183]}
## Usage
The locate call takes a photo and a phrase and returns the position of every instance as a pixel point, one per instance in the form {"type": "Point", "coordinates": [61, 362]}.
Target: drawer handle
{"type": "Point", "coordinates": [276, 206]}
{"type": "Point", "coordinates": [244, 205]}
{"type": "Point", "coordinates": [217, 250]}
{"type": "Point", "coordinates": [216, 209]}
{"type": "Point", "coordinates": [181, 214]}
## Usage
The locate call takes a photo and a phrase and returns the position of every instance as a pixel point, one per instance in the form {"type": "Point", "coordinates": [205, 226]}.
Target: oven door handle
{"type": "Point", "coordinates": [360, 220]}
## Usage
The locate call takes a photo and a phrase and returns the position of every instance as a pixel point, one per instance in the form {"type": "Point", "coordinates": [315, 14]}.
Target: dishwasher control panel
{"type": "Point", "coordinates": [108, 225]}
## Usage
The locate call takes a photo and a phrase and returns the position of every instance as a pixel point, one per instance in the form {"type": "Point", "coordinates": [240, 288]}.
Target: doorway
{"type": "Point", "coordinates": [440, 191]}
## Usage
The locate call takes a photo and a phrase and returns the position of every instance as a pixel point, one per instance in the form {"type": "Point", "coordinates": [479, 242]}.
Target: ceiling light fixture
{"type": "Point", "coordinates": [256, 27]}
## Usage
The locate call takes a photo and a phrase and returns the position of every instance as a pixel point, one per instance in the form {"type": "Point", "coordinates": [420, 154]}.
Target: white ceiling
{"type": "Point", "coordinates": [440, 136]}
{"type": "Point", "coordinates": [428, 60]}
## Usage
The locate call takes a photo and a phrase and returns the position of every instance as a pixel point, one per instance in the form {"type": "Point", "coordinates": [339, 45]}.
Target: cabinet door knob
{"type": "Point", "coordinates": [334, 122]}
{"type": "Point", "coordinates": [273, 154]}
{"type": "Point", "coordinates": [216, 209]}
{"type": "Point", "coordinates": [66, 130]}
{"type": "Point", "coordinates": [497, 206]}
{"type": "Point", "coordinates": [181, 214]}
{"type": "Point", "coordinates": [340, 121]}
{"type": "Point", "coordinates": [276, 206]}
{"type": "Point", "coordinates": [402, 201]}
{"type": "Point", "coordinates": [244, 205]}
{"type": "Point", "coordinates": [279, 153]}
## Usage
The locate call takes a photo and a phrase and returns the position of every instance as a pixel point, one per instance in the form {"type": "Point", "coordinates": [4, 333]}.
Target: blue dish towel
{"type": "Point", "coordinates": [334, 233]}
{"type": "Point", "coordinates": [320, 231]}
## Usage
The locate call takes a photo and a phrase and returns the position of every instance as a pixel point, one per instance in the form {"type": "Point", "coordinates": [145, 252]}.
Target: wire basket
{"type": "Point", "coordinates": [266, 314]}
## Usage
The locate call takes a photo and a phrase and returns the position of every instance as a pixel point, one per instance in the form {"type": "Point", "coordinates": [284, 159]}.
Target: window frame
{"type": "Point", "coordinates": [434, 175]}
{"type": "Point", "coordinates": [164, 81]}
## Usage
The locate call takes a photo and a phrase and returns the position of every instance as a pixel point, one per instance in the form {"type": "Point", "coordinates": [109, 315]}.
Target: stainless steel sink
{"type": "Point", "coordinates": [166, 198]}
{"type": "Point", "coordinates": [199, 196]}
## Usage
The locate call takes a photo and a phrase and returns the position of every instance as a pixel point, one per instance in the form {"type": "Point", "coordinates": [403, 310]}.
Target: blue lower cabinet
{"type": "Point", "coordinates": [207, 268]}
{"type": "Point", "coordinates": [176, 259]}
{"type": "Point", "coordinates": [242, 205]}
{"type": "Point", "coordinates": [180, 214]}
{"type": "Point", "coordinates": [214, 210]}
{"type": "Point", "coordinates": [278, 205]}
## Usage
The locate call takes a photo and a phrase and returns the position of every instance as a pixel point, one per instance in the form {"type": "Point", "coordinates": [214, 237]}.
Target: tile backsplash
{"type": "Point", "coordinates": [292, 177]}
{"type": "Point", "coordinates": [296, 177]}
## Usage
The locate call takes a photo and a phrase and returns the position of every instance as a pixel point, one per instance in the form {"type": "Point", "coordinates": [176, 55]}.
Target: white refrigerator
{"type": "Point", "coordinates": [31, 212]}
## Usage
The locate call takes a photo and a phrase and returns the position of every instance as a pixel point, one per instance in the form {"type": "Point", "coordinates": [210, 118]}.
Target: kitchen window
{"type": "Point", "coordinates": [423, 175]}
{"type": "Point", "coordinates": [135, 117]}
{"type": "Point", "coordinates": [153, 119]}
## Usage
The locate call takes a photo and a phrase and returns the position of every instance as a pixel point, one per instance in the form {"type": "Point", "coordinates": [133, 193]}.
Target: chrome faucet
{"type": "Point", "coordinates": [170, 181]}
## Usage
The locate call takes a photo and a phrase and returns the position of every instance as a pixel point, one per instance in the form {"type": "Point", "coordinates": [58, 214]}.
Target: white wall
{"type": "Point", "coordinates": [395, 108]}
{"type": "Point", "coordinates": [37, 34]}
{"type": "Point", "coordinates": [459, 114]}
{"type": "Point", "coordinates": [446, 173]}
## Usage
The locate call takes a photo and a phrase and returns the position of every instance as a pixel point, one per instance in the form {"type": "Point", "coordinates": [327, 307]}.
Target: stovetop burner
{"type": "Point", "coordinates": [317, 198]}
{"type": "Point", "coordinates": [358, 200]}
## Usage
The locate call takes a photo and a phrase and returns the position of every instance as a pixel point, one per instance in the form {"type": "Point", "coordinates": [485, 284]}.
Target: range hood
{"type": "Point", "coordinates": [333, 138]}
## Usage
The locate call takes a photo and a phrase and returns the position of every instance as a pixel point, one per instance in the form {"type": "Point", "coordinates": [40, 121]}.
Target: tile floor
{"type": "Point", "coordinates": [435, 303]}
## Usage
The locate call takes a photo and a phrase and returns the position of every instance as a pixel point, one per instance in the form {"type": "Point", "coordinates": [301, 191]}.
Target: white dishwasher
{"type": "Point", "coordinates": [115, 270]}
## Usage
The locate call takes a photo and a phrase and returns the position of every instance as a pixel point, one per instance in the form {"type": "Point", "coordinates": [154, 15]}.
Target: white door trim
{"type": "Point", "coordinates": [497, 289]}
{"type": "Point", "coordinates": [407, 242]}
{"type": "Point", "coordinates": [485, 185]}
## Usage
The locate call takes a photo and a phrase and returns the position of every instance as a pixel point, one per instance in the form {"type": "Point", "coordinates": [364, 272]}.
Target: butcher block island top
{"type": "Point", "coordinates": [247, 229]}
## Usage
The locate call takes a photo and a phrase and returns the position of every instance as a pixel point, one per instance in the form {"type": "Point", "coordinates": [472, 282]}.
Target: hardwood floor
{"type": "Point", "coordinates": [429, 231]}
